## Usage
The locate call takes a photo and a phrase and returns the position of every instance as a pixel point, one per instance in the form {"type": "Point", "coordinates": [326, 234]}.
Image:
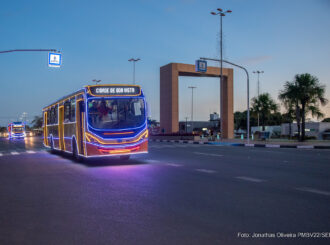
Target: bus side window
{"type": "Point", "coordinates": [73, 110]}
{"type": "Point", "coordinates": [48, 117]}
{"type": "Point", "coordinates": [56, 114]}
{"type": "Point", "coordinates": [67, 111]}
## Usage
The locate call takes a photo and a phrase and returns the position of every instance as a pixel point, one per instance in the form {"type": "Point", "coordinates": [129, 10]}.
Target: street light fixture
{"type": "Point", "coordinates": [134, 60]}
{"type": "Point", "coordinates": [192, 107]}
{"type": "Point", "coordinates": [221, 13]}
{"type": "Point", "coordinates": [96, 81]}
{"type": "Point", "coordinates": [258, 72]}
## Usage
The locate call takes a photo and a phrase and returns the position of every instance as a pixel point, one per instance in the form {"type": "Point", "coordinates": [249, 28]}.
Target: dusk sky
{"type": "Point", "coordinates": [97, 38]}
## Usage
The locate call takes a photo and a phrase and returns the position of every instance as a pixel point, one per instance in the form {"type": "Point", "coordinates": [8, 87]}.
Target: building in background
{"type": "Point", "coordinates": [312, 129]}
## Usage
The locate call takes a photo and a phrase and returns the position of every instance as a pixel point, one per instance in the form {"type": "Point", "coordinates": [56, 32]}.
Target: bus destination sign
{"type": "Point", "coordinates": [115, 90]}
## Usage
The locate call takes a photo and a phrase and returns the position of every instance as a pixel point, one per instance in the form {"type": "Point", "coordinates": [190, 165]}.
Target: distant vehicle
{"type": "Point", "coordinates": [16, 130]}
{"type": "Point", "coordinates": [326, 134]}
{"type": "Point", "coordinates": [97, 121]}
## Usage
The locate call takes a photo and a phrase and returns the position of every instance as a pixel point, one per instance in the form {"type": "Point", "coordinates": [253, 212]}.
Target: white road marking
{"type": "Point", "coordinates": [307, 189]}
{"type": "Point", "coordinates": [285, 161]}
{"type": "Point", "coordinates": [209, 171]}
{"type": "Point", "coordinates": [14, 153]}
{"type": "Point", "coordinates": [190, 142]}
{"type": "Point", "coordinates": [151, 161]}
{"type": "Point", "coordinates": [249, 179]}
{"type": "Point", "coordinates": [208, 154]}
{"type": "Point", "coordinates": [30, 152]}
{"type": "Point", "coordinates": [1, 154]}
{"type": "Point", "coordinates": [174, 164]}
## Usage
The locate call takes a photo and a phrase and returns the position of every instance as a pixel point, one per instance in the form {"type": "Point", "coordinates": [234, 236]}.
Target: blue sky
{"type": "Point", "coordinates": [97, 38]}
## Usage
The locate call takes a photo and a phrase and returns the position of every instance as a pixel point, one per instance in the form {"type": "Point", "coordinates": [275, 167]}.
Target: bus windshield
{"type": "Point", "coordinates": [18, 129]}
{"type": "Point", "coordinates": [116, 113]}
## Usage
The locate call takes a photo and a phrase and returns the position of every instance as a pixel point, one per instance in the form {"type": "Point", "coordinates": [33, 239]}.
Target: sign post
{"type": "Point", "coordinates": [54, 59]}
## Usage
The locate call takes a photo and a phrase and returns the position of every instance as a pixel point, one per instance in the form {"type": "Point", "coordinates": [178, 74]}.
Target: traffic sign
{"type": "Point", "coordinates": [201, 66]}
{"type": "Point", "coordinates": [54, 59]}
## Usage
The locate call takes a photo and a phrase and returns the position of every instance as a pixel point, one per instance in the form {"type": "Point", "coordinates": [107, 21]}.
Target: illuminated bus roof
{"type": "Point", "coordinates": [104, 90]}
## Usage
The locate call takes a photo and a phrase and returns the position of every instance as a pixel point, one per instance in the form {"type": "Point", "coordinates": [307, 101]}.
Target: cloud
{"type": "Point", "coordinates": [254, 60]}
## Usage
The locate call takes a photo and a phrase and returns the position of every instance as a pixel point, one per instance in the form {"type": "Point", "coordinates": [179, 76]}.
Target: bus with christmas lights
{"type": "Point", "coordinates": [16, 130]}
{"type": "Point", "coordinates": [98, 121]}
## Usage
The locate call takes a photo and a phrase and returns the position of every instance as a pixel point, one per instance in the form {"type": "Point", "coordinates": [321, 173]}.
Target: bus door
{"type": "Point", "coordinates": [79, 125]}
{"type": "Point", "coordinates": [61, 128]}
{"type": "Point", "coordinates": [45, 128]}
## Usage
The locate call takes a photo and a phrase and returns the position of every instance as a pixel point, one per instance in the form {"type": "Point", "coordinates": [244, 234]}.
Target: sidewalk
{"type": "Point", "coordinates": [273, 143]}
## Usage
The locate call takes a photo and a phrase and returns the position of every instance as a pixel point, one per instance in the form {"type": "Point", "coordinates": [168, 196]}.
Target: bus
{"type": "Point", "coordinates": [16, 130]}
{"type": "Point", "coordinates": [98, 121]}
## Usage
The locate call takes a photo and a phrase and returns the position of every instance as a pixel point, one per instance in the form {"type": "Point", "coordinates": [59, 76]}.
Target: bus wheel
{"type": "Point", "coordinates": [124, 158]}
{"type": "Point", "coordinates": [52, 149]}
{"type": "Point", "coordinates": [75, 153]}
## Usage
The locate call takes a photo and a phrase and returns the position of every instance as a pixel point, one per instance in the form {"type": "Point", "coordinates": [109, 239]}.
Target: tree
{"type": "Point", "coordinates": [289, 103]}
{"type": "Point", "coordinates": [326, 119]}
{"type": "Point", "coordinates": [37, 122]}
{"type": "Point", "coordinates": [265, 106]}
{"type": "Point", "coordinates": [306, 93]}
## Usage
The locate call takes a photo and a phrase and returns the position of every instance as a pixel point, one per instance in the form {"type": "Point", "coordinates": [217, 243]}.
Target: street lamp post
{"type": "Point", "coordinates": [221, 13]}
{"type": "Point", "coordinates": [192, 107]}
{"type": "Point", "coordinates": [134, 60]}
{"type": "Point", "coordinates": [248, 93]}
{"type": "Point", "coordinates": [258, 72]}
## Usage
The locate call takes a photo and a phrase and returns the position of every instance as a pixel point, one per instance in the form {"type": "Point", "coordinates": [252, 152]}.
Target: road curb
{"type": "Point", "coordinates": [244, 145]}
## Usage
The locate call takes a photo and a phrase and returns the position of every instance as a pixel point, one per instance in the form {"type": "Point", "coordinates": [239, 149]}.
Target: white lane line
{"type": "Point", "coordinates": [151, 161]}
{"type": "Point", "coordinates": [14, 153]}
{"type": "Point", "coordinates": [307, 189]}
{"type": "Point", "coordinates": [174, 164]}
{"type": "Point", "coordinates": [208, 171]}
{"type": "Point", "coordinates": [30, 152]}
{"type": "Point", "coordinates": [249, 179]}
{"type": "Point", "coordinates": [208, 154]}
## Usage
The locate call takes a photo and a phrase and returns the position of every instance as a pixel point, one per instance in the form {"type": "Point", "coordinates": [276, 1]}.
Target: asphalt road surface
{"type": "Point", "coordinates": [176, 194]}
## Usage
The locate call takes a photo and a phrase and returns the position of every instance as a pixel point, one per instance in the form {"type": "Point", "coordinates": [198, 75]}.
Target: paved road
{"type": "Point", "coordinates": [177, 194]}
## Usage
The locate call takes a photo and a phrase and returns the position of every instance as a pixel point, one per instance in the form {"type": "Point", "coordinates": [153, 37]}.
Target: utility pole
{"type": "Point", "coordinates": [258, 72]}
{"type": "Point", "coordinates": [134, 60]}
{"type": "Point", "coordinates": [221, 13]}
{"type": "Point", "coordinates": [192, 107]}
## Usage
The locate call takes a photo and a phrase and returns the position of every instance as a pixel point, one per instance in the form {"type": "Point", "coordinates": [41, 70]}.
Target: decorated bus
{"type": "Point", "coordinates": [16, 130]}
{"type": "Point", "coordinates": [97, 121]}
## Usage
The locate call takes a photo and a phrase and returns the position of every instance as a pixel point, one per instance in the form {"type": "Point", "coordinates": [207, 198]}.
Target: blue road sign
{"type": "Point", "coordinates": [201, 66]}
{"type": "Point", "coordinates": [54, 60]}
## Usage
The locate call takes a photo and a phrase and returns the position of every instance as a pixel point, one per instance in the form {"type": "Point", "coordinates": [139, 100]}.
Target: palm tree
{"type": "Point", "coordinates": [264, 105]}
{"type": "Point", "coordinates": [289, 103]}
{"type": "Point", "coordinates": [306, 93]}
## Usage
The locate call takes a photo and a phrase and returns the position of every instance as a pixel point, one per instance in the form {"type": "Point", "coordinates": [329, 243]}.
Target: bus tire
{"type": "Point", "coordinates": [52, 149]}
{"type": "Point", "coordinates": [75, 153]}
{"type": "Point", "coordinates": [124, 158]}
